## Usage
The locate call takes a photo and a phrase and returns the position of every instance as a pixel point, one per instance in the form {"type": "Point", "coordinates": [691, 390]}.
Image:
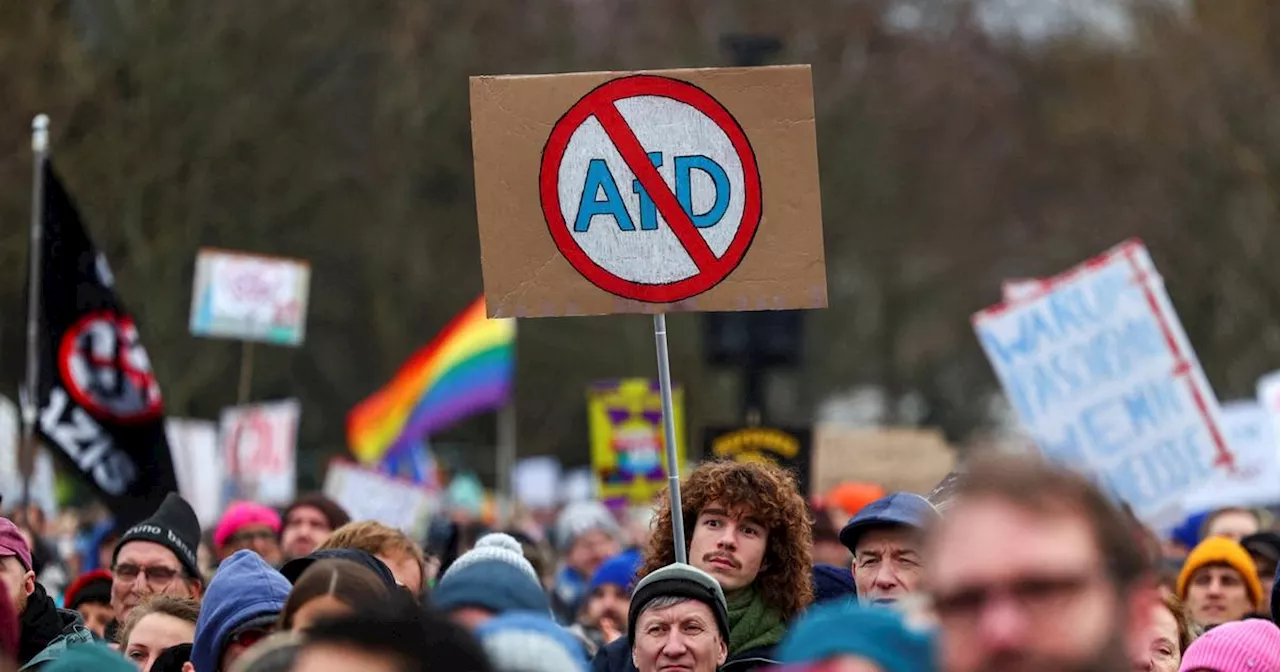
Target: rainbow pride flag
{"type": "Point", "coordinates": [467, 369]}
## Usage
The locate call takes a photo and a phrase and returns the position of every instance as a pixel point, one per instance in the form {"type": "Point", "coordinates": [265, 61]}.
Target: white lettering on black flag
{"type": "Point", "coordinates": [1101, 375]}
{"type": "Point", "coordinates": [99, 401]}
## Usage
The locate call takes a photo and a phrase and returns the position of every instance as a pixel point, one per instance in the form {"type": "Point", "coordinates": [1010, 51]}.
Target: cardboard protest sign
{"type": "Point", "coordinates": [259, 450]}
{"type": "Point", "coordinates": [908, 459]}
{"type": "Point", "coordinates": [675, 190]}
{"type": "Point", "coordinates": [250, 297]}
{"type": "Point", "coordinates": [1099, 371]}
{"type": "Point", "coordinates": [1255, 481]}
{"type": "Point", "coordinates": [628, 452]}
{"type": "Point", "coordinates": [789, 448]}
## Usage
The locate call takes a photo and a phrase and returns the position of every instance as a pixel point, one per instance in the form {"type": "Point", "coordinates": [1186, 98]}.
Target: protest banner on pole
{"type": "Point", "coordinates": [678, 190]}
{"type": "Point", "coordinates": [1101, 375]}
{"type": "Point", "coordinates": [251, 298]}
{"type": "Point", "coordinates": [627, 439]}
{"type": "Point", "coordinates": [369, 495]}
{"type": "Point", "coordinates": [259, 450]}
{"type": "Point", "coordinates": [1255, 481]}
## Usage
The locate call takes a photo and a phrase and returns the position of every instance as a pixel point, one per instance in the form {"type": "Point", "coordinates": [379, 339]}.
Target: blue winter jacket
{"type": "Point", "coordinates": [244, 588]}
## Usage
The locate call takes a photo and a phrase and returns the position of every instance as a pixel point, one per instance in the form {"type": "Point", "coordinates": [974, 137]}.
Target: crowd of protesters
{"type": "Point", "coordinates": [1030, 567]}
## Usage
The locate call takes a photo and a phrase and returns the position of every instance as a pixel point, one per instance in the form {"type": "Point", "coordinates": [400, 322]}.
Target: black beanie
{"type": "Point", "coordinates": [293, 569]}
{"type": "Point", "coordinates": [174, 525]}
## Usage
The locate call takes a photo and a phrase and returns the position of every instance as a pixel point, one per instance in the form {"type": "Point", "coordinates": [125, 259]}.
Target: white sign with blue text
{"type": "Point", "coordinates": [1100, 372]}
{"type": "Point", "coordinates": [1255, 481]}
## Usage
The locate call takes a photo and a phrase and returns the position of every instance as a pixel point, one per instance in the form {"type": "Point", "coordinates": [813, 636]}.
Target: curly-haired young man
{"type": "Point", "coordinates": [746, 525]}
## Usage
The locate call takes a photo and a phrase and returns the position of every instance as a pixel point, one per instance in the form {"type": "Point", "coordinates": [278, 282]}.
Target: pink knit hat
{"type": "Point", "coordinates": [242, 514]}
{"type": "Point", "coordinates": [1242, 646]}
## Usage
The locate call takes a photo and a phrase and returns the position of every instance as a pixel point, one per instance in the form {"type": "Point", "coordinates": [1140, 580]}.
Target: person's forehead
{"type": "Point", "coordinates": [1216, 569]}
{"type": "Point", "coordinates": [163, 625]}
{"type": "Point", "coordinates": [307, 513]}
{"type": "Point", "coordinates": [889, 539]}
{"type": "Point", "coordinates": [993, 540]}
{"type": "Point", "coordinates": [1234, 519]}
{"type": "Point", "coordinates": [143, 552]}
{"type": "Point", "coordinates": [1163, 621]}
{"type": "Point", "coordinates": [735, 511]}
{"type": "Point", "coordinates": [677, 612]}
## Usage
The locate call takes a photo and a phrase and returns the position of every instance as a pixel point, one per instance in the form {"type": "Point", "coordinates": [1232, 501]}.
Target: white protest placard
{"type": "Point", "coordinates": [193, 445]}
{"type": "Point", "coordinates": [369, 495]}
{"type": "Point", "coordinates": [42, 492]}
{"type": "Point", "coordinates": [1255, 481]}
{"type": "Point", "coordinates": [1101, 375]}
{"type": "Point", "coordinates": [250, 297]}
{"type": "Point", "coordinates": [536, 482]}
{"type": "Point", "coordinates": [1020, 289]}
{"type": "Point", "coordinates": [259, 451]}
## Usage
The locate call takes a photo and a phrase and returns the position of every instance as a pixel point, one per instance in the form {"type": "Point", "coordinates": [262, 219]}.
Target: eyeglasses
{"type": "Point", "coordinates": [250, 537]}
{"type": "Point", "coordinates": [250, 636]}
{"type": "Point", "coordinates": [158, 577]}
{"type": "Point", "coordinates": [1035, 596]}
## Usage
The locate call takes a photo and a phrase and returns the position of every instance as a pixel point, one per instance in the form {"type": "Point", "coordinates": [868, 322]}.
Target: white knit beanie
{"type": "Point", "coordinates": [495, 547]}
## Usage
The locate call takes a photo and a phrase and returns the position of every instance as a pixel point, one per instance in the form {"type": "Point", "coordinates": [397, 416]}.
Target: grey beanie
{"type": "Point", "coordinates": [582, 517]}
{"type": "Point", "coordinates": [679, 580]}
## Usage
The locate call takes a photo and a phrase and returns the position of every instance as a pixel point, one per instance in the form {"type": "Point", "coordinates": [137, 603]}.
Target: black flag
{"type": "Point", "coordinates": [99, 401]}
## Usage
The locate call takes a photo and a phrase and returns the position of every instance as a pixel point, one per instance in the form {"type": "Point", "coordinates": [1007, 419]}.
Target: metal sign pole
{"type": "Point", "coordinates": [31, 400]}
{"type": "Point", "coordinates": [669, 435]}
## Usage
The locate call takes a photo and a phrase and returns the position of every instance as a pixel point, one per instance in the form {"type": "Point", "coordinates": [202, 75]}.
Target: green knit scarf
{"type": "Point", "coordinates": [752, 623]}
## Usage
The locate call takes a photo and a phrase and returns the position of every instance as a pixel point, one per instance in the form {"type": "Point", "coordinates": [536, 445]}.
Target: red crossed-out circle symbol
{"type": "Point", "coordinates": [709, 268]}
{"type": "Point", "coordinates": [106, 370]}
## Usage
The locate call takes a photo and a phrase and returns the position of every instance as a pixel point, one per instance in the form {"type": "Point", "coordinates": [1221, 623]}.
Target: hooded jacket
{"type": "Point", "coordinates": [244, 588]}
{"type": "Point", "coordinates": [47, 631]}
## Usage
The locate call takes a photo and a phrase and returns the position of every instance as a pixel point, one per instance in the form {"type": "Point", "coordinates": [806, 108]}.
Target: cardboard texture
{"type": "Point", "coordinates": [725, 215]}
{"type": "Point", "coordinates": [914, 460]}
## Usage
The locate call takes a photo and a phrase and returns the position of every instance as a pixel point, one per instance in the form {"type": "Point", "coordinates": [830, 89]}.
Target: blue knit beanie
{"type": "Point", "coordinates": [528, 642]}
{"type": "Point", "coordinates": [844, 628]}
{"type": "Point", "coordinates": [832, 583]}
{"type": "Point", "coordinates": [620, 570]}
{"type": "Point", "coordinates": [493, 585]}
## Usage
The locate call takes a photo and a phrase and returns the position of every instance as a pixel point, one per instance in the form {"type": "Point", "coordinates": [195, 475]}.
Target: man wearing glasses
{"type": "Point", "coordinates": [1034, 569]}
{"type": "Point", "coordinates": [157, 557]}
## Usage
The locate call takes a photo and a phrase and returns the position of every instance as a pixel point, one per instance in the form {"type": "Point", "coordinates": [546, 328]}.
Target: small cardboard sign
{"type": "Point", "coordinates": [1100, 372]}
{"type": "Point", "coordinates": [676, 190]}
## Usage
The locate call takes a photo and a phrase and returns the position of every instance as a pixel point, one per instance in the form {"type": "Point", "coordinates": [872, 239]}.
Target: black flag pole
{"type": "Point", "coordinates": [31, 400]}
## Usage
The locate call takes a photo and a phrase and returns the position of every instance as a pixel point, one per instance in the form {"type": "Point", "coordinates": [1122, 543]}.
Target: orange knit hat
{"type": "Point", "coordinates": [1221, 551]}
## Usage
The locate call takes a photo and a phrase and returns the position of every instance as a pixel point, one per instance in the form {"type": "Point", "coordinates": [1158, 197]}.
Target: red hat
{"type": "Point", "coordinates": [91, 587]}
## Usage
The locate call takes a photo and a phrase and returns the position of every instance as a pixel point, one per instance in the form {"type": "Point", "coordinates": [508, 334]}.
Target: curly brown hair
{"type": "Point", "coordinates": [770, 493]}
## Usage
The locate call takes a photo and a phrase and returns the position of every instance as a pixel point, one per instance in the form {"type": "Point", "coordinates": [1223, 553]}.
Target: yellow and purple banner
{"type": "Point", "coordinates": [628, 453]}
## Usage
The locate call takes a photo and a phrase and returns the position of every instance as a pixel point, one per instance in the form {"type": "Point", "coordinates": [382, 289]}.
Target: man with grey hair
{"type": "Point", "coordinates": [586, 534]}
{"type": "Point", "coordinates": [679, 620]}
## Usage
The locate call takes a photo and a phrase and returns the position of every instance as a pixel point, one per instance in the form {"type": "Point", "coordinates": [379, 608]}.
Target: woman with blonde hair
{"type": "Point", "coordinates": [162, 622]}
